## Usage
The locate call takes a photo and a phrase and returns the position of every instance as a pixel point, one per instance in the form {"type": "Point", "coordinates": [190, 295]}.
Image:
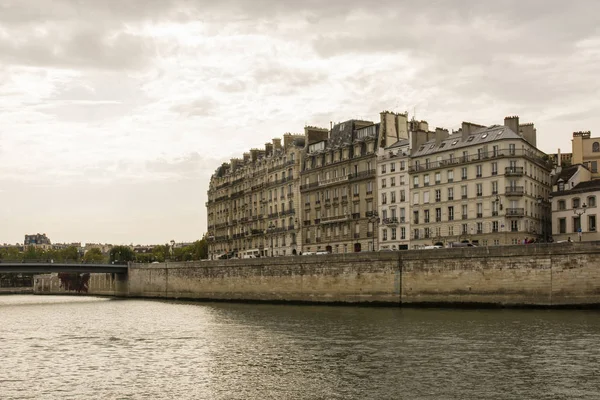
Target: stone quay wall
{"type": "Point", "coordinates": [527, 275]}
{"type": "Point", "coordinates": [98, 285]}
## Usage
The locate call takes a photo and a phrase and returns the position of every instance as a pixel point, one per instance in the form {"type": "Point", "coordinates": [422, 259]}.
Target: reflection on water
{"type": "Point", "coordinates": [84, 347]}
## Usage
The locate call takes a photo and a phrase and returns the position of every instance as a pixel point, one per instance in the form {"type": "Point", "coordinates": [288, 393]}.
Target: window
{"type": "Point", "coordinates": [479, 171]}
{"type": "Point", "coordinates": [393, 233]}
{"type": "Point", "coordinates": [450, 193]}
{"type": "Point", "coordinates": [576, 224]}
{"type": "Point", "coordinates": [562, 205]}
{"type": "Point", "coordinates": [438, 177]}
{"type": "Point", "coordinates": [576, 202]}
{"type": "Point", "coordinates": [385, 234]}
{"type": "Point", "coordinates": [451, 213]}
{"type": "Point", "coordinates": [393, 181]}
{"type": "Point", "coordinates": [415, 217]}
{"type": "Point", "coordinates": [479, 187]}
{"type": "Point", "coordinates": [591, 201]}
{"type": "Point", "coordinates": [415, 181]}
{"type": "Point", "coordinates": [479, 210]}
{"type": "Point", "coordinates": [392, 197]}
{"type": "Point", "coordinates": [495, 187]}
{"type": "Point", "coordinates": [451, 176]}
{"type": "Point", "coordinates": [480, 227]}
{"type": "Point", "coordinates": [383, 168]}
{"type": "Point", "coordinates": [465, 229]}
{"type": "Point", "coordinates": [514, 226]}
{"type": "Point", "coordinates": [463, 191]}
{"type": "Point", "coordinates": [464, 173]}
{"type": "Point", "coordinates": [438, 195]}
{"type": "Point", "coordinates": [594, 166]}
{"type": "Point", "coordinates": [426, 216]}
{"type": "Point", "coordinates": [402, 233]}
{"type": "Point", "coordinates": [383, 183]}
{"type": "Point", "coordinates": [511, 149]}
{"type": "Point", "coordinates": [450, 230]}
{"type": "Point", "coordinates": [438, 214]}
{"type": "Point", "coordinates": [426, 180]}
{"type": "Point", "coordinates": [415, 198]}
{"type": "Point", "coordinates": [383, 198]}
{"type": "Point", "coordinates": [465, 214]}
{"type": "Point", "coordinates": [596, 147]}
{"type": "Point", "coordinates": [426, 197]}
{"type": "Point", "coordinates": [494, 168]}
{"type": "Point", "coordinates": [562, 225]}
{"type": "Point", "coordinates": [592, 223]}
{"type": "Point", "coordinates": [494, 226]}
{"type": "Point", "coordinates": [392, 167]}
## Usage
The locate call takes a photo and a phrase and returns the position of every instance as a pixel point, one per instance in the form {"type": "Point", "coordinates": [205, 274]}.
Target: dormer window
{"type": "Point", "coordinates": [561, 186]}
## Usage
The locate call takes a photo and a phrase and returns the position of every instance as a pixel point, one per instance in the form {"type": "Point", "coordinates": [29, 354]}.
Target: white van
{"type": "Point", "coordinates": [431, 247]}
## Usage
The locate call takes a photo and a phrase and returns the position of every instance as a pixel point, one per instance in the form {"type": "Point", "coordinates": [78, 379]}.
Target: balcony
{"type": "Point", "coordinates": [370, 234]}
{"type": "Point", "coordinates": [513, 171]}
{"type": "Point", "coordinates": [331, 181]}
{"type": "Point", "coordinates": [317, 221]}
{"type": "Point", "coordinates": [515, 212]}
{"type": "Point", "coordinates": [479, 215]}
{"type": "Point", "coordinates": [390, 221]}
{"type": "Point", "coordinates": [356, 235]}
{"type": "Point", "coordinates": [355, 215]}
{"type": "Point", "coordinates": [465, 216]}
{"type": "Point", "coordinates": [329, 220]}
{"type": "Point", "coordinates": [514, 191]}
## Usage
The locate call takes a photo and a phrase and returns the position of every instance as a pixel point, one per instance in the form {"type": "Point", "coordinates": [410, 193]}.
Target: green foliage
{"type": "Point", "coordinates": [94, 255]}
{"type": "Point", "coordinates": [121, 254]}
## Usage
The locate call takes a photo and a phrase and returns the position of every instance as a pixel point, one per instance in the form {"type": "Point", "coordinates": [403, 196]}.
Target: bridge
{"type": "Point", "coordinates": [49, 267]}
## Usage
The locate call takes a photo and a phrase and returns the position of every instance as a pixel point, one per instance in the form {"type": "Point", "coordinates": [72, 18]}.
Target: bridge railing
{"type": "Point", "coordinates": [52, 261]}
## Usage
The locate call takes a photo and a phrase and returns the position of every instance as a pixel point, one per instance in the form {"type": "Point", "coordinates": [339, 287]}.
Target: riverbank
{"type": "Point", "coordinates": [535, 276]}
{"type": "Point", "coordinates": [16, 290]}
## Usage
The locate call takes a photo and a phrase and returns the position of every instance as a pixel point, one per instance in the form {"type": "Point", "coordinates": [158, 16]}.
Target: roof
{"type": "Point", "coordinates": [455, 141]}
{"type": "Point", "coordinates": [567, 173]}
{"type": "Point", "coordinates": [342, 134]}
{"type": "Point", "coordinates": [582, 187]}
{"type": "Point", "coordinates": [399, 143]}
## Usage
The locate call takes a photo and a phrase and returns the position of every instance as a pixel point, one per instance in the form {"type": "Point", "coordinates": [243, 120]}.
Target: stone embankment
{"type": "Point", "coordinates": [528, 275]}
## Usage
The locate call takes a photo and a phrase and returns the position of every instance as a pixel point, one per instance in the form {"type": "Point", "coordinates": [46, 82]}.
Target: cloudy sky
{"type": "Point", "coordinates": [114, 114]}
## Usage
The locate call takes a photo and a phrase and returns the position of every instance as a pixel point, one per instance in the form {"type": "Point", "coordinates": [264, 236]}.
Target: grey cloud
{"type": "Point", "coordinates": [190, 166]}
{"type": "Point", "coordinates": [80, 48]}
{"type": "Point", "coordinates": [198, 108]}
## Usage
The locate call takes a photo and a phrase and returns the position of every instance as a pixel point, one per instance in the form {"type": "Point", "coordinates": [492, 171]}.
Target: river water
{"type": "Point", "coordinates": [54, 347]}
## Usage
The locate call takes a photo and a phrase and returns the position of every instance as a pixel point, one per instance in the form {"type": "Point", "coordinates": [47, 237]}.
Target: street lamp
{"type": "Point", "coordinates": [374, 219]}
{"type": "Point", "coordinates": [270, 230]}
{"type": "Point", "coordinates": [579, 212]}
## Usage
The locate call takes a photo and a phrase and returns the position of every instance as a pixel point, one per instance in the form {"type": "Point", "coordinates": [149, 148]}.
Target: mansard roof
{"type": "Point", "coordinates": [456, 141]}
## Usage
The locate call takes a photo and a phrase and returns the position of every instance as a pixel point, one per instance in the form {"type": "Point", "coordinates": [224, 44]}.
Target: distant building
{"type": "Point", "coordinates": [586, 151]}
{"type": "Point", "coordinates": [574, 205]}
{"type": "Point", "coordinates": [37, 240]}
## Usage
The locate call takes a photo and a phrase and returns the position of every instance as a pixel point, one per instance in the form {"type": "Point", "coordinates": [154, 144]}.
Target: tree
{"type": "Point", "coordinates": [121, 254]}
{"type": "Point", "coordinates": [93, 255]}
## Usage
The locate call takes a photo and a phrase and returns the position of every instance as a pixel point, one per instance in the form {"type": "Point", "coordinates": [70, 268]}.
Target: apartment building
{"type": "Point", "coordinates": [574, 205]}
{"type": "Point", "coordinates": [339, 190]}
{"type": "Point", "coordinates": [253, 202]}
{"type": "Point", "coordinates": [483, 185]}
{"type": "Point", "coordinates": [394, 196]}
{"type": "Point", "coordinates": [586, 151]}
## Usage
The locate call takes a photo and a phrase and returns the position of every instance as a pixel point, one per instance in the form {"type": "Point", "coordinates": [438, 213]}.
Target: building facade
{"type": "Point", "coordinates": [394, 195]}
{"type": "Point", "coordinates": [586, 151]}
{"type": "Point", "coordinates": [480, 185]}
{"type": "Point", "coordinates": [252, 202]}
{"type": "Point", "coordinates": [574, 205]}
{"type": "Point", "coordinates": [339, 187]}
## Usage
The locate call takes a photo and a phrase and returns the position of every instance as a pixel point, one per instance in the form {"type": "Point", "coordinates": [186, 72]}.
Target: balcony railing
{"type": "Point", "coordinates": [514, 191]}
{"type": "Point", "coordinates": [513, 171]}
{"type": "Point", "coordinates": [515, 212]}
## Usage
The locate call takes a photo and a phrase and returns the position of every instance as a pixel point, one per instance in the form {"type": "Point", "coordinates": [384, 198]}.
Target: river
{"type": "Point", "coordinates": [54, 347]}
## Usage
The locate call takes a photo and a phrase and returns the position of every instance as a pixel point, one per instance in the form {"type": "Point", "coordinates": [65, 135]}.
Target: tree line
{"type": "Point", "coordinates": [118, 254]}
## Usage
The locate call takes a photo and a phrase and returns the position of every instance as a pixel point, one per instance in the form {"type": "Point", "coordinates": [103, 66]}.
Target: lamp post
{"type": "Point", "coordinates": [374, 219]}
{"type": "Point", "coordinates": [270, 230]}
{"type": "Point", "coordinates": [579, 212]}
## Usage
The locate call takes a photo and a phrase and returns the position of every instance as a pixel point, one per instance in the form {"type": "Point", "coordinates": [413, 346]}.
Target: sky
{"type": "Point", "coordinates": [115, 113]}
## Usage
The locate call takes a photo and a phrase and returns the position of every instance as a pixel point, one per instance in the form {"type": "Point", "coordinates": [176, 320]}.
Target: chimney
{"type": "Point", "coordinates": [287, 140]}
{"type": "Point", "coordinates": [512, 123]}
{"type": "Point", "coordinates": [440, 135]}
{"type": "Point", "coordinates": [254, 154]}
{"type": "Point", "coordinates": [268, 149]}
{"type": "Point", "coordinates": [314, 135]}
{"type": "Point", "coordinates": [277, 144]}
{"type": "Point", "coordinates": [246, 157]}
{"type": "Point", "coordinates": [558, 160]}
